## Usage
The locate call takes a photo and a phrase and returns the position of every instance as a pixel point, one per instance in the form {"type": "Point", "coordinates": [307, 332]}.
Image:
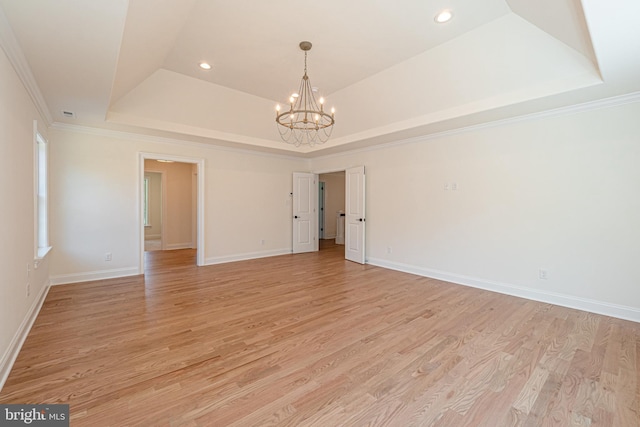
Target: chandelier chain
{"type": "Point", "coordinates": [305, 63]}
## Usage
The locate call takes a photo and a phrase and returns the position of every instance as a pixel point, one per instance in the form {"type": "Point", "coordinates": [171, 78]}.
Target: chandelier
{"type": "Point", "coordinates": [305, 122]}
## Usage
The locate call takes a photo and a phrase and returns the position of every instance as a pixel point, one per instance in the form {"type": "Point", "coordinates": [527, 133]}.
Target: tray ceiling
{"type": "Point", "coordinates": [389, 69]}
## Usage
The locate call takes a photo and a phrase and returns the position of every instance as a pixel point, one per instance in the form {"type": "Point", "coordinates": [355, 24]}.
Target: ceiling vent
{"type": "Point", "coordinates": [69, 114]}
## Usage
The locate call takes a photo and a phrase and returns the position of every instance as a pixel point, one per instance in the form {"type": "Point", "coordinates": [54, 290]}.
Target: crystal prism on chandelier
{"type": "Point", "coordinates": [305, 122]}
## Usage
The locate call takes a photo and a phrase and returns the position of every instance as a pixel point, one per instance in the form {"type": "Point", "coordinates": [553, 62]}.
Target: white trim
{"type": "Point", "coordinates": [42, 252]}
{"type": "Point", "coordinates": [63, 279]}
{"type": "Point", "coordinates": [614, 101]}
{"type": "Point", "coordinates": [578, 303]}
{"type": "Point", "coordinates": [170, 141]}
{"type": "Point", "coordinates": [247, 256]}
{"type": "Point", "coordinates": [16, 57]}
{"type": "Point", "coordinates": [11, 354]}
{"type": "Point", "coordinates": [174, 246]}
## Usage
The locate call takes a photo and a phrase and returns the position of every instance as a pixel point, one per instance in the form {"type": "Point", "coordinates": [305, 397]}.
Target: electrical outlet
{"type": "Point", "coordinates": [454, 186]}
{"type": "Point", "coordinates": [107, 256]}
{"type": "Point", "coordinates": [28, 289]}
{"type": "Point", "coordinates": [446, 186]}
{"type": "Point", "coordinates": [389, 249]}
{"type": "Point", "coordinates": [543, 274]}
{"type": "Point", "coordinates": [262, 242]}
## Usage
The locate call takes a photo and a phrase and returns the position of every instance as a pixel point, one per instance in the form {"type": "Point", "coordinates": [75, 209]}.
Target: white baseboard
{"type": "Point", "coordinates": [329, 236]}
{"type": "Point", "coordinates": [64, 279]}
{"type": "Point", "coordinates": [247, 256]}
{"type": "Point", "coordinates": [173, 246]}
{"type": "Point", "coordinates": [10, 356]}
{"type": "Point", "coordinates": [579, 303]}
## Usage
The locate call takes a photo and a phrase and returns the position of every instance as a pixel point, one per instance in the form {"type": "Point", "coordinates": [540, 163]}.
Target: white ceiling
{"type": "Point", "coordinates": [387, 67]}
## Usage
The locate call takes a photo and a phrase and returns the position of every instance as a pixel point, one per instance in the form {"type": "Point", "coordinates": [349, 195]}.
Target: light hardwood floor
{"type": "Point", "coordinates": [312, 339]}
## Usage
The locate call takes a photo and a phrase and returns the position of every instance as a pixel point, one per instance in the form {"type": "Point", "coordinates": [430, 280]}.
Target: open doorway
{"type": "Point", "coordinates": [171, 205]}
{"type": "Point", "coordinates": [331, 209]}
{"type": "Point", "coordinates": [305, 214]}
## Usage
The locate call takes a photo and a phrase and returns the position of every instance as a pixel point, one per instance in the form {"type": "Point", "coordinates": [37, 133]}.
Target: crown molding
{"type": "Point", "coordinates": [118, 134]}
{"type": "Point", "coordinates": [20, 64]}
{"type": "Point", "coordinates": [614, 101]}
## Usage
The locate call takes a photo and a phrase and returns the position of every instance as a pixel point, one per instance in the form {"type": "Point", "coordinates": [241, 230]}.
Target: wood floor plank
{"type": "Point", "coordinates": [314, 340]}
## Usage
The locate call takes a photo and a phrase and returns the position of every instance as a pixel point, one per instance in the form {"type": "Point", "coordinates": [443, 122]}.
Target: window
{"type": "Point", "coordinates": [145, 220]}
{"type": "Point", "coordinates": [41, 185]}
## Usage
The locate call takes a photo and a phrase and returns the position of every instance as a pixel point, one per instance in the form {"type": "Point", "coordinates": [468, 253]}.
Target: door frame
{"type": "Point", "coordinates": [321, 214]}
{"type": "Point", "coordinates": [142, 156]}
{"type": "Point", "coordinates": [320, 172]}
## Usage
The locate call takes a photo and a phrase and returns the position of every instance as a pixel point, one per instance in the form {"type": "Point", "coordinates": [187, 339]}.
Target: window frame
{"type": "Point", "coordinates": [146, 215]}
{"type": "Point", "coordinates": [41, 194]}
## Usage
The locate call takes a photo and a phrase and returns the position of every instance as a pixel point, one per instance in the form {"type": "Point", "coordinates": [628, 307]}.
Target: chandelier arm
{"type": "Point", "coordinates": [298, 124]}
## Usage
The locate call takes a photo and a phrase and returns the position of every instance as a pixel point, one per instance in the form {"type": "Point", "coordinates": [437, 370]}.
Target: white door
{"type": "Point", "coordinates": [304, 212]}
{"type": "Point", "coordinates": [355, 219]}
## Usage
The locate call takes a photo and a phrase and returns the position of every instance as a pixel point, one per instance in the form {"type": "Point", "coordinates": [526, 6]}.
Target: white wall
{"type": "Point", "coordinates": [95, 202]}
{"type": "Point", "coordinates": [562, 194]}
{"type": "Point", "coordinates": [559, 193]}
{"type": "Point", "coordinates": [17, 217]}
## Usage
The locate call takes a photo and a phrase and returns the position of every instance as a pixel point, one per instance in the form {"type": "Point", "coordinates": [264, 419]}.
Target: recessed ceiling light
{"type": "Point", "coordinates": [444, 16]}
{"type": "Point", "coordinates": [205, 65]}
